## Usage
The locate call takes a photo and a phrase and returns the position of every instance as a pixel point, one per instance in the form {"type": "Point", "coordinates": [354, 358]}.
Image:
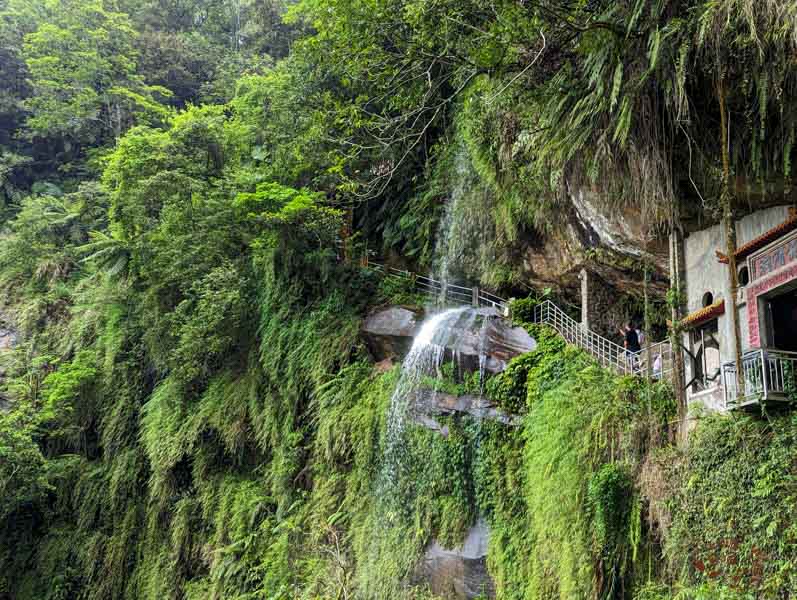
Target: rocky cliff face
{"type": "Point", "coordinates": [460, 572]}
{"type": "Point", "coordinates": [476, 339]}
{"type": "Point", "coordinates": [608, 241]}
{"type": "Point", "coordinates": [428, 405]}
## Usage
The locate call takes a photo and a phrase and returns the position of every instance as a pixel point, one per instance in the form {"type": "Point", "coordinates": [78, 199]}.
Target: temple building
{"type": "Point", "coordinates": [766, 259]}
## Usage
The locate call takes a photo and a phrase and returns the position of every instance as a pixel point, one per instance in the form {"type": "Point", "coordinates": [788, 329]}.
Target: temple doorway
{"type": "Point", "coordinates": [781, 317]}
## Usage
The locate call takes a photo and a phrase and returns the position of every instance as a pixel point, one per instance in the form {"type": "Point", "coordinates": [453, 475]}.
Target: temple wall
{"type": "Point", "coordinates": [705, 274]}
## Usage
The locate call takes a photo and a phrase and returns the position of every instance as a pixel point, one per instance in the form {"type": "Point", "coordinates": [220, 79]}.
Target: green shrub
{"type": "Point", "coordinates": [733, 511]}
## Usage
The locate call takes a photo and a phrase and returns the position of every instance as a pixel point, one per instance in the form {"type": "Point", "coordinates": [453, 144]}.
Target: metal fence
{"type": "Point", "coordinates": [767, 375]}
{"type": "Point", "coordinates": [609, 354]}
{"type": "Point", "coordinates": [448, 292]}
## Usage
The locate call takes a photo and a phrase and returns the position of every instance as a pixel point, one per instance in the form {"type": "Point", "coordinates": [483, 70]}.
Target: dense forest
{"type": "Point", "coordinates": [188, 192]}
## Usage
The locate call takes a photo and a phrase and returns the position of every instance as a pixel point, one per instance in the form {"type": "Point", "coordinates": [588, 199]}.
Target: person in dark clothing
{"type": "Point", "coordinates": [631, 341]}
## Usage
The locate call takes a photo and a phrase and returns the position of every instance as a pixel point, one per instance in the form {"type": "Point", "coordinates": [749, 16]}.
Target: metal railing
{"type": "Point", "coordinates": [767, 375]}
{"type": "Point", "coordinates": [456, 294]}
{"type": "Point", "coordinates": [609, 354]}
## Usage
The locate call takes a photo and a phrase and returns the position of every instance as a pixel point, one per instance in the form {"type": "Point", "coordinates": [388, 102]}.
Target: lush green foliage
{"type": "Point", "coordinates": [563, 494]}
{"type": "Point", "coordinates": [181, 185]}
{"type": "Point", "coordinates": [733, 514]}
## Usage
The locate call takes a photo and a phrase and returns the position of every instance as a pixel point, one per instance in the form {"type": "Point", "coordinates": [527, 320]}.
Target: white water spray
{"type": "Point", "coordinates": [424, 360]}
{"type": "Point", "coordinates": [464, 243]}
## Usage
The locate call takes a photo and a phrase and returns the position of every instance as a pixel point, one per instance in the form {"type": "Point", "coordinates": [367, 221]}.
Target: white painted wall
{"type": "Point", "coordinates": [704, 273]}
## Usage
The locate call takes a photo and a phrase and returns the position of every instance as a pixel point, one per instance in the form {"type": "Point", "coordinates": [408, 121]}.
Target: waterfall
{"type": "Point", "coordinates": [466, 234]}
{"type": "Point", "coordinates": [451, 244]}
{"type": "Point", "coordinates": [463, 240]}
{"type": "Point", "coordinates": [463, 243]}
{"type": "Point", "coordinates": [423, 360]}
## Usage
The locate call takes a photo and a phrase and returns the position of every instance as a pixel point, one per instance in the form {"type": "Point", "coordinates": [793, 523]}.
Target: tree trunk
{"type": "Point", "coordinates": [346, 232]}
{"type": "Point", "coordinates": [726, 200]}
{"type": "Point", "coordinates": [676, 295]}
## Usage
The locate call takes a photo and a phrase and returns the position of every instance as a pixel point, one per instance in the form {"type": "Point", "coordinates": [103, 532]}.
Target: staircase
{"type": "Point", "coordinates": [609, 354]}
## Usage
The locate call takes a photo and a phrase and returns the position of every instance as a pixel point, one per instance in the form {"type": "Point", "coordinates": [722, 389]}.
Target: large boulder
{"type": "Point", "coordinates": [388, 332]}
{"type": "Point", "coordinates": [460, 573]}
{"type": "Point", "coordinates": [484, 333]}
{"type": "Point", "coordinates": [428, 404]}
{"type": "Point", "coordinates": [478, 338]}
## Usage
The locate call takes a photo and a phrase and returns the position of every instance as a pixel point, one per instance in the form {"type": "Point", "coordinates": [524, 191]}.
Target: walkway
{"type": "Point", "coordinates": [609, 354]}
{"type": "Point", "coordinates": [455, 294]}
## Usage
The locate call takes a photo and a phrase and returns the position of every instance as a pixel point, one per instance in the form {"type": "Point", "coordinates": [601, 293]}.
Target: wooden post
{"type": "Point", "coordinates": [475, 297]}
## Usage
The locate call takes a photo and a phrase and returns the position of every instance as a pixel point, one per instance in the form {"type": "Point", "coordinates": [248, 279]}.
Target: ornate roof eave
{"type": "Point", "coordinates": [764, 239]}
{"type": "Point", "coordinates": [698, 317]}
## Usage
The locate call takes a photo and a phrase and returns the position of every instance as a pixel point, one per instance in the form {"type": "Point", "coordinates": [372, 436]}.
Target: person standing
{"type": "Point", "coordinates": [631, 341]}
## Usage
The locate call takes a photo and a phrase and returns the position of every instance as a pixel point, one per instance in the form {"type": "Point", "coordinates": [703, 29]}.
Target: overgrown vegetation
{"type": "Point", "coordinates": [185, 189]}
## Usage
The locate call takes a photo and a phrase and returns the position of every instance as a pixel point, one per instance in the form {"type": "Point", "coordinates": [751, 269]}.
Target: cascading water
{"type": "Point", "coordinates": [463, 240]}
{"type": "Point", "coordinates": [423, 360]}
{"type": "Point", "coordinates": [466, 234]}
{"type": "Point", "coordinates": [448, 334]}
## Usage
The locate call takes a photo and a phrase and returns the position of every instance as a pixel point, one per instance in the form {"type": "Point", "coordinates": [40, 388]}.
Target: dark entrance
{"type": "Point", "coordinates": [782, 321]}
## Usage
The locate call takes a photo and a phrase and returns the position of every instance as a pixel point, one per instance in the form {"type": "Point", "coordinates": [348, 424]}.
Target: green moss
{"type": "Point", "coordinates": [565, 517]}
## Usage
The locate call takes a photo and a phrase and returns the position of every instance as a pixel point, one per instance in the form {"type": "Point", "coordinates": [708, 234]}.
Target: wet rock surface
{"type": "Point", "coordinates": [388, 332]}
{"type": "Point", "coordinates": [460, 573]}
{"type": "Point", "coordinates": [484, 332]}
{"type": "Point", "coordinates": [428, 404]}
{"type": "Point", "coordinates": [481, 338]}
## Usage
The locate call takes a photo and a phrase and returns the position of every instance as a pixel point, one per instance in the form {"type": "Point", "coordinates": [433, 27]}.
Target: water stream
{"type": "Point", "coordinates": [424, 359]}
{"type": "Point", "coordinates": [465, 244]}
{"type": "Point", "coordinates": [461, 240]}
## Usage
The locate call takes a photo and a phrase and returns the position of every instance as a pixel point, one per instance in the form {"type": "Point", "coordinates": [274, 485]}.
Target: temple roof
{"type": "Point", "coordinates": [707, 313]}
{"type": "Point", "coordinates": [764, 239]}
